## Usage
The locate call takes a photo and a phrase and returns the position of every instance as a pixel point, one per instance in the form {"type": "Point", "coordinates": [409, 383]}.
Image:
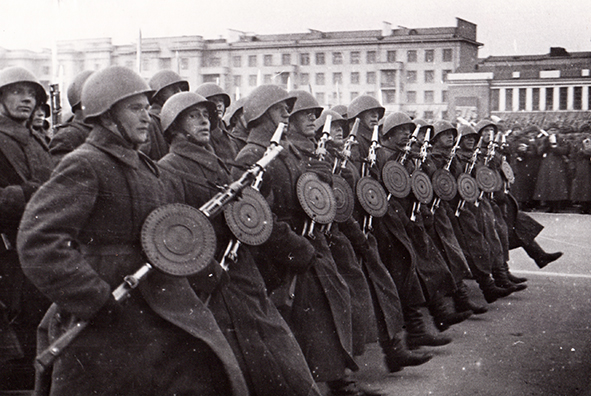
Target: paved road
{"type": "Point", "coordinates": [535, 342]}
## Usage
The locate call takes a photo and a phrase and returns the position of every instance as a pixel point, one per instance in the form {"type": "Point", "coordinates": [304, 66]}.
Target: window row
{"type": "Point", "coordinates": [549, 98]}
{"type": "Point", "coordinates": [388, 97]}
{"type": "Point", "coordinates": [336, 58]}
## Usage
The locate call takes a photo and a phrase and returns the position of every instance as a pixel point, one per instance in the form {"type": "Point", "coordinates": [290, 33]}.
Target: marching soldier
{"type": "Point", "coordinates": [25, 164]}
{"type": "Point", "coordinates": [162, 340]}
{"type": "Point", "coordinates": [72, 134]}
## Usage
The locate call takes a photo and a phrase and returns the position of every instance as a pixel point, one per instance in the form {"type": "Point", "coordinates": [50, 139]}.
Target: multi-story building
{"type": "Point", "coordinates": [406, 69]}
{"type": "Point", "coordinates": [526, 88]}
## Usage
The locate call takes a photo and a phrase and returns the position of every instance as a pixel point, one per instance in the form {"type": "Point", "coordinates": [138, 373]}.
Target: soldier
{"type": "Point", "coordinates": [163, 340]}
{"type": "Point", "coordinates": [165, 83]}
{"type": "Point", "coordinates": [72, 134]}
{"type": "Point", "coordinates": [25, 164]}
{"type": "Point", "coordinates": [234, 119]}
{"type": "Point", "coordinates": [525, 162]}
{"type": "Point", "coordinates": [220, 139]}
{"type": "Point", "coordinates": [269, 355]}
{"type": "Point", "coordinates": [39, 121]}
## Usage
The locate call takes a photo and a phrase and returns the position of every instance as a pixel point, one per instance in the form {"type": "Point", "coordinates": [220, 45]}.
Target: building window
{"type": "Point", "coordinates": [252, 61]}
{"type": "Point", "coordinates": [268, 60]}
{"type": "Point", "coordinates": [184, 63]}
{"type": "Point", "coordinates": [165, 63]}
{"type": "Point", "coordinates": [494, 99]}
{"type": "Point", "coordinates": [389, 96]}
{"type": "Point", "coordinates": [522, 96]}
{"type": "Point", "coordinates": [319, 78]}
{"type": "Point", "coordinates": [320, 98]}
{"type": "Point", "coordinates": [211, 78]}
{"type": "Point", "coordinates": [444, 98]}
{"type": "Point", "coordinates": [355, 57]}
{"type": "Point", "coordinates": [371, 78]}
{"type": "Point", "coordinates": [388, 78]}
{"type": "Point", "coordinates": [237, 61]}
{"type": "Point", "coordinates": [411, 97]}
{"type": "Point", "coordinates": [304, 59]}
{"type": "Point", "coordinates": [578, 98]}
{"type": "Point", "coordinates": [371, 93]}
{"type": "Point", "coordinates": [509, 99]}
{"type": "Point", "coordinates": [444, 74]}
{"type": "Point", "coordinates": [549, 98]}
{"type": "Point", "coordinates": [252, 80]}
{"type": "Point", "coordinates": [320, 58]}
{"type": "Point", "coordinates": [429, 97]}
{"type": "Point", "coordinates": [429, 76]}
{"type": "Point", "coordinates": [535, 99]}
{"type": "Point", "coordinates": [268, 79]}
{"type": "Point", "coordinates": [336, 97]}
{"type": "Point", "coordinates": [429, 56]}
{"type": "Point", "coordinates": [215, 61]}
{"type": "Point", "coordinates": [563, 98]}
{"type": "Point", "coordinates": [286, 59]}
{"type": "Point", "coordinates": [337, 58]}
{"type": "Point", "coordinates": [391, 56]}
{"type": "Point", "coordinates": [371, 57]}
{"type": "Point", "coordinates": [516, 74]}
{"type": "Point", "coordinates": [354, 77]}
{"type": "Point", "coordinates": [411, 56]}
{"type": "Point", "coordinates": [428, 115]}
{"type": "Point", "coordinates": [411, 76]}
{"type": "Point", "coordinates": [447, 55]}
{"type": "Point", "coordinates": [337, 78]}
{"type": "Point", "coordinates": [237, 81]}
{"type": "Point", "coordinates": [304, 79]}
{"type": "Point", "coordinates": [284, 78]}
{"type": "Point", "coordinates": [354, 95]}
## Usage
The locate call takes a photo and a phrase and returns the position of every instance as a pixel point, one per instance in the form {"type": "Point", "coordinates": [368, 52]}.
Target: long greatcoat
{"type": "Point", "coordinates": [265, 347]}
{"type": "Point", "coordinates": [67, 137]}
{"type": "Point", "coordinates": [79, 237]}
{"type": "Point", "coordinates": [525, 163]}
{"type": "Point", "coordinates": [24, 165]}
{"type": "Point", "coordinates": [552, 181]}
{"type": "Point", "coordinates": [581, 184]}
{"type": "Point", "coordinates": [320, 313]}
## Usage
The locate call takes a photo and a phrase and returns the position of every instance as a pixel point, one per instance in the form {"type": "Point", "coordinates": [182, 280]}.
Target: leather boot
{"type": "Point", "coordinates": [500, 274]}
{"type": "Point", "coordinates": [541, 258]}
{"type": "Point", "coordinates": [397, 356]}
{"type": "Point", "coordinates": [348, 387]}
{"type": "Point", "coordinates": [462, 301]}
{"type": "Point", "coordinates": [490, 291]}
{"type": "Point", "coordinates": [515, 279]}
{"type": "Point", "coordinates": [416, 331]}
{"type": "Point", "coordinates": [443, 316]}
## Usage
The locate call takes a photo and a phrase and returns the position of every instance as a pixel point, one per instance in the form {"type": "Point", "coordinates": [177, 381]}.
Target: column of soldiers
{"type": "Point", "coordinates": [350, 245]}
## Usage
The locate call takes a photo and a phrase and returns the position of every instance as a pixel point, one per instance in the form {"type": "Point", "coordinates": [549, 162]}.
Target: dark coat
{"type": "Point", "coordinates": [24, 165]}
{"type": "Point", "coordinates": [67, 137]}
{"type": "Point", "coordinates": [525, 162]}
{"type": "Point", "coordinates": [581, 184]}
{"type": "Point", "coordinates": [552, 181]}
{"type": "Point", "coordinates": [267, 351]}
{"type": "Point", "coordinates": [156, 147]}
{"type": "Point", "coordinates": [79, 237]}
{"type": "Point", "coordinates": [222, 144]}
{"type": "Point", "coordinates": [320, 316]}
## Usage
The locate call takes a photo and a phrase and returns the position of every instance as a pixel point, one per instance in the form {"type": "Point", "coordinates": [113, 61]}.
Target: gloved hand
{"type": "Point", "coordinates": [347, 174]}
{"type": "Point", "coordinates": [322, 169]}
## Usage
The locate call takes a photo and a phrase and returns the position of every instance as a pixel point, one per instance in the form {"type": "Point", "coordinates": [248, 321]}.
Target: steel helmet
{"type": "Point", "coordinates": [465, 130]}
{"type": "Point", "coordinates": [341, 109]}
{"type": "Point", "coordinates": [483, 124]}
{"type": "Point", "coordinates": [106, 87]}
{"type": "Point", "coordinates": [262, 98]}
{"type": "Point", "coordinates": [75, 88]}
{"type": "Point", "coordinates": [166, 78]}
{"type": "Point", "coordinates": [305, 101]}
{"type": "Point", "coordinates": [209, 90]}
{"type": "Point", "coordinates": [236, 108]}
{"type": "Point", "coordinates": [363, 103]}
{"type": "Point", "coordinates": [397, 119]}
{"type": "Point", "coordinates": [423, 123]}
{"type": "Point", "coordinates": [180, 102]}
{"type": "Point", "coordinates": [16, 74]}
{"type": "Point", "coordinates": [336, 118]}
{"type": "Point", "coordinates": [442, 126]}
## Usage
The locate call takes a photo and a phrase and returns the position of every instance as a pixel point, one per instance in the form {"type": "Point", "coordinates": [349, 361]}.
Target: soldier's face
{"type": "Point", "coordinates": [167, 92]}
{"type": "Point", "coordinates": [397, 137]}
{"type": "Point", "coordinates": [468, 142]}
{"type": "Point", "coordinates": [336, 132]}
{"type": "Point", "coordinates": [38, 118]}
{"type": "Point", "coordinates": [445, 140]}
{"type": "Point", "coordinates": [220, 106]}
{"type": "Point", "coordinates": [132, 115]}
{"type": "Point", "coordinates": [488, 134]}
{"type": "Point", "coordinates": [17, 101]}
{"type": "Point", "coordinates": [369, 118]}
{"type": "Point", "coordinates": [195, 121]}
{"type": "Point", "coordinates": [278, 113]}
{"type": "Point", "coordinates": [302, 122]}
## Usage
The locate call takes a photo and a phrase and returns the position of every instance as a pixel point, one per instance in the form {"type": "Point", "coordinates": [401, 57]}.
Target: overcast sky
{"type": "Point", "coordinates": [505, 27]}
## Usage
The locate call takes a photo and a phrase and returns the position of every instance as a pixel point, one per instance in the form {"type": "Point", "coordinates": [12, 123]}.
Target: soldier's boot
{"type": "Point", "coordinates": [501, 276]}
{"type": "Point", "coordinates": [463, 303]}
{"type": "Point", "coordinates": [443, 316]}
{"type": "Point", "coordinates": [416, 331]}
{"type": "Point", "coordinates": [542, 259]}
{"type": "Point", "coordinates": [397, 356]}
{"type": "Point", "coordinates": [349, 387]}
{"type": "Point", "coordinates": [515, 279]}
{"type": "Point", "coordinates": [490, 291]}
